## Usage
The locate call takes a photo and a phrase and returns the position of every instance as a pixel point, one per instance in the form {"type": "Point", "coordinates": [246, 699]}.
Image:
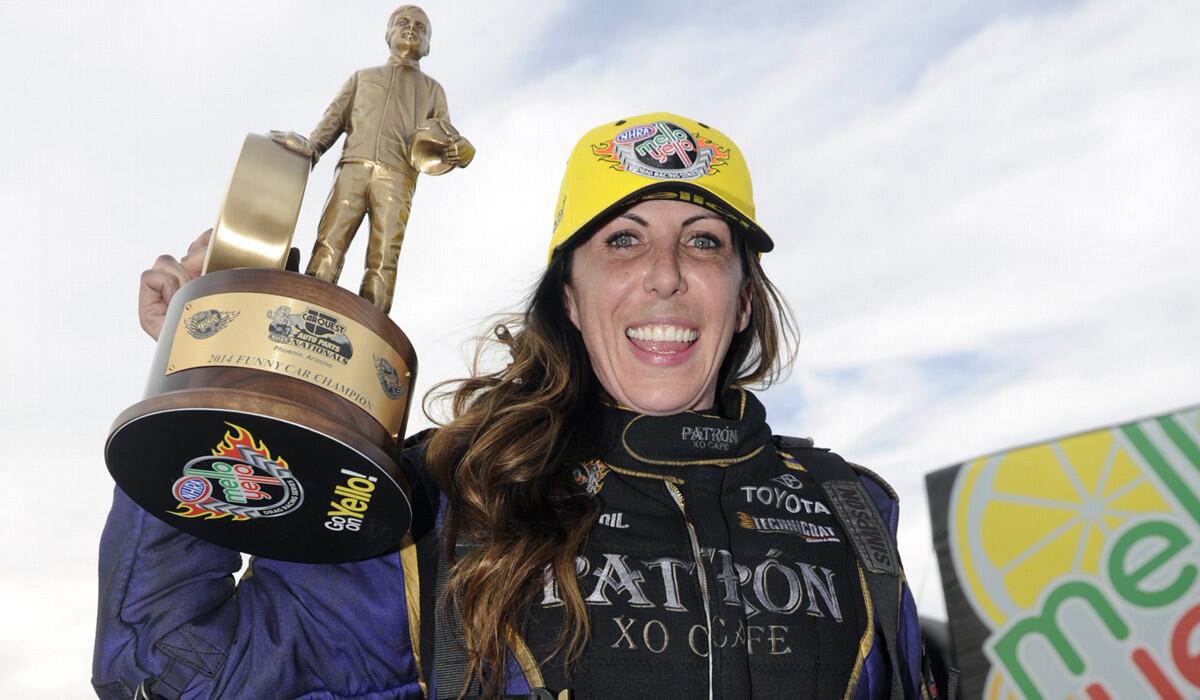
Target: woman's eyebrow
{"type": "Point", "coordinates": [691, 220]}
{"type": "Point", "coordinates": [635, 218]}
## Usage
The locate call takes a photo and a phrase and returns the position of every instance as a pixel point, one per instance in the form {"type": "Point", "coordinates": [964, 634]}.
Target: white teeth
{"type": "Point", "coordinates": [663, 333]}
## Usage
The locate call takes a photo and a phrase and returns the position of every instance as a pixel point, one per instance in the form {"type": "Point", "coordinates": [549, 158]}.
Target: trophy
{"type": "Point", "coordinates": [276, 399]}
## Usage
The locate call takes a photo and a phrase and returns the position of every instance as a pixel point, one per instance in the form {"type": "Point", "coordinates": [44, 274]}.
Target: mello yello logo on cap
{"type": "Point", "coordinates": [1080, 555]}
{"type": "Point", "coordinates": [661, 150]}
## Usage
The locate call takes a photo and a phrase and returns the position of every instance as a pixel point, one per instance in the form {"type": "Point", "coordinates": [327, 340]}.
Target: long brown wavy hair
{"type": "Point", "coordinates": [503, 460]}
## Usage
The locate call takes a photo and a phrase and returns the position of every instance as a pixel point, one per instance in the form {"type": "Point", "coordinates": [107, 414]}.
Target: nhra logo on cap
{"type": "Point", "coordinates": [636, 133]}
{"type": "Point", "coordinates": [663, 151]}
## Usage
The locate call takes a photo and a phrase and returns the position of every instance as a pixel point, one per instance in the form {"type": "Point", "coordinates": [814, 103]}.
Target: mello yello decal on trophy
{"type": "Point", "coordinates": [276, 399]}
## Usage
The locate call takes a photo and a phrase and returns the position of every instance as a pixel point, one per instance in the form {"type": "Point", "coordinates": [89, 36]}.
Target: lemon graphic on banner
{"type": "Point", "coordinates": [1023, 518]}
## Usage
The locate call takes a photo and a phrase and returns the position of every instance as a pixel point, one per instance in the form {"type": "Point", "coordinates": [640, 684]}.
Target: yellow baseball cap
{"type": "Point", "coordinates": [655, 156]}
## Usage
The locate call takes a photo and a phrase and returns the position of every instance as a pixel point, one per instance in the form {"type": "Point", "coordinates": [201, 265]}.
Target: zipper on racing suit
{"type": "Point", "coordinates": [677, 496]}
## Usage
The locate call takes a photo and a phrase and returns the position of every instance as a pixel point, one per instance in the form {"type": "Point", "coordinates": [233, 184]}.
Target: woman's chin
{"type": "Point", "coordinates": [659, 398]}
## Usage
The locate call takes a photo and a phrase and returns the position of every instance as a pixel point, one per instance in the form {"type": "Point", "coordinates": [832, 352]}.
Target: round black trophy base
{"type": "Point", "coordinates": [257, 484]}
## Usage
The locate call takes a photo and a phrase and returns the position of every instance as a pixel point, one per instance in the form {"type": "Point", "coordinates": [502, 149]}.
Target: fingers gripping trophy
{"type": "Point", "coordinates": [276, 399]}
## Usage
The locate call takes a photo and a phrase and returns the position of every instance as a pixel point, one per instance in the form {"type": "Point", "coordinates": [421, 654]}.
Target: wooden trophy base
{"type": "Point", "coordinates": [271, 419]}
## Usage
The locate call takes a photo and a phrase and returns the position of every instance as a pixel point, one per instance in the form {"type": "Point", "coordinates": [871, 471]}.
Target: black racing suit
{"type": "Point", "coordinates": [717, 569]}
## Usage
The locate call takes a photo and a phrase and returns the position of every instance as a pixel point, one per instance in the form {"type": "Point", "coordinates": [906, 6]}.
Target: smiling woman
{"type": "Point", "coordinates": [608, 515]}
{"type": "Point", "coordinates": [658, 293]}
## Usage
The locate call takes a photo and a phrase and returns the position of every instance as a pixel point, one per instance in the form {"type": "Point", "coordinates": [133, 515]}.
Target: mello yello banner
{"type": "Point", "coordinates": [1071, 567]}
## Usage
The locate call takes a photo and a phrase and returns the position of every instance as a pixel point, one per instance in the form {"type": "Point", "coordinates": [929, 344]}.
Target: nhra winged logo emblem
{"type": "Point", "coordinates": [663, 151]}
{"type": "Point", "coordinates": [207, 323]}
{"type": "Point", "coordinates": [590, 476]}
{"type": "Point", "coordinates": [240, 479]}
{"type": "Point", "coordinates": [389, 378]}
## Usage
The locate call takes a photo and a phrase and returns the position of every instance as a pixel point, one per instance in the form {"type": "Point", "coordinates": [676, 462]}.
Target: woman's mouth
{"type": "Point", "coordinates": [662, 338]}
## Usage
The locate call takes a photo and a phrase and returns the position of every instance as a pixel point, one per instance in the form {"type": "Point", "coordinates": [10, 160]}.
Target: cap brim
{"type": "Point", "coordinates": [739, 223]}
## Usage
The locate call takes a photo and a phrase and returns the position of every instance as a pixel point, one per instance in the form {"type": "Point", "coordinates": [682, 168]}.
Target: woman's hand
{"type": "Point", "coordinates": [159, 283]}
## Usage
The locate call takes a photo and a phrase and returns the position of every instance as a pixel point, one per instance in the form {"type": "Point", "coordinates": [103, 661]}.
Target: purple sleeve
{"type": "Point", "coordinates": [171, 615]}
{"type": "Point", "coordinates": [874, 682]}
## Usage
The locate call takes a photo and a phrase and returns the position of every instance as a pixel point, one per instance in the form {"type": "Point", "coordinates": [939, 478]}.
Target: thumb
{"type": "Point", "coordinates": [193, 262]}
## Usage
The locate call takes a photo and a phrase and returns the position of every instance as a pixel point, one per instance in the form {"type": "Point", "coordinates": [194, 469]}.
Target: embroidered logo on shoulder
{"type": "Point", "coordinates": [590, 475]}
{"type": "Point", "coordinates": [864, 525]}
{"type": "Point", "coordinates": [810, 532]}
{"type": "Point", "coordinates": [789, 480]}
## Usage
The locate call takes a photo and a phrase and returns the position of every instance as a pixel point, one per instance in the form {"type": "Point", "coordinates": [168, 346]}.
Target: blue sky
{"type": "Point", "coordinates": [985, 216]}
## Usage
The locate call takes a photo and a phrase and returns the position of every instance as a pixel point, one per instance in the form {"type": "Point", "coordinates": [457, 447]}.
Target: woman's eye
{"type": "Point", "coordinates": [621, 239]}
{"type": "Point", "coordinates": [705, 241]}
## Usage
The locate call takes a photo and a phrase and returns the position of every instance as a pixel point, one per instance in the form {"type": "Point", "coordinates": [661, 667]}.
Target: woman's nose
{"type": "Point", "coordinates": [665, 274]}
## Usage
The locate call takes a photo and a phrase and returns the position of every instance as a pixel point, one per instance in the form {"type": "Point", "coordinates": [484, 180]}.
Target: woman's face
{"type": "Point", "coordinates": [657, 294]}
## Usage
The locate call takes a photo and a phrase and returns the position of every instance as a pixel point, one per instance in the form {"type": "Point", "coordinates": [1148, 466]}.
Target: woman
{"type": "Point", "coordinates": [615, 516]}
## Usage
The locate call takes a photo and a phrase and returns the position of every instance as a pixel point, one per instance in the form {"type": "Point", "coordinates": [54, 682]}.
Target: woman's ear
{"type": "Point", "coordinates": [744, 304]}
{"type": "Point", "coordinates": [571, 306]}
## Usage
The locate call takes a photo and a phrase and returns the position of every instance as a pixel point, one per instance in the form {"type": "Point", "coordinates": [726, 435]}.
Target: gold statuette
{"type": "Point", "coordinates": [277, 400]}
{"type": "Point", "coordinates": [397, 125]}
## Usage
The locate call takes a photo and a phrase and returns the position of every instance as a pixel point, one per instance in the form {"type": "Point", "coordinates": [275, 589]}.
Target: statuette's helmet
{"type": "Point", "coordinates": [429, 144]}
{"type": "Point", "coordinates": [654, 156]}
